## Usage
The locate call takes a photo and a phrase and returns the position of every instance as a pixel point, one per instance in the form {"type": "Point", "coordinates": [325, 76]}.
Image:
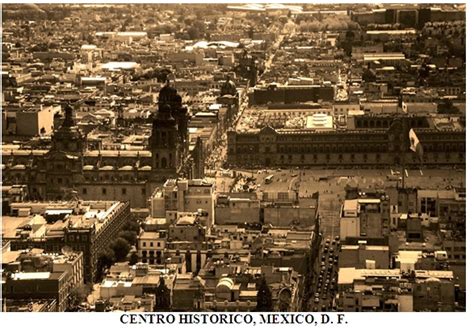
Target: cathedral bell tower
{"type": "Point", "coordinates": [163, 142]}
{"type": "Point", "coordinates": [58, 172]}
{"type": "Point", "coordinates": [68, 138]}
{"type": "Point", "coordinates": [169, 137]}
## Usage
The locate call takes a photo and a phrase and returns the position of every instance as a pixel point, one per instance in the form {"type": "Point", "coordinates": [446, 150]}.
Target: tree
{"type": "Point", "coordinates": [132, 225]}
{"type": "Point", "coordinates": [163, 300]}
{"type": "Point", "coordinates": [196, 31]}
{"type": "Point", "coordinates": [78, 295]}
{"type": "Point", "coordinates": [130, 236]}
{"type": "Point", "coordinates": [133, 259]}
{"type": "Point", "coordinates": [121, 247]}
{"type": "Point", "coordinates": [264, 297]}
{"type": "Point", "coordinates": [105, 259]}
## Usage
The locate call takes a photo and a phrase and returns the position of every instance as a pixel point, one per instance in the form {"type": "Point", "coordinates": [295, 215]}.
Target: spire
{"type": "Point", "coordinates": [68, 118]}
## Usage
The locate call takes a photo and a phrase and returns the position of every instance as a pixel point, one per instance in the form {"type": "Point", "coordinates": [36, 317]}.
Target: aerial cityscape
{"type": "Point", "coordinates": [233, 157]}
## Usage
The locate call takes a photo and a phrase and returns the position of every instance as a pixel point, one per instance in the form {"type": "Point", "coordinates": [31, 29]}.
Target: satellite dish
{"type": "Point", "coordinates": [66, 250]}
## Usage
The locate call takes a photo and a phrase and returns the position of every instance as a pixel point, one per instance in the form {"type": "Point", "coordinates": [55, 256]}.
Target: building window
{"type": "Point", "coordinates": [143, 191]}
{"type": "Point", "coordinates": [144, 244]}
{"type": "Point", "coordinates": [124, 191]}
{"type": "Point", "coordinates": [84, 191]}
{"type": "Point", "coordinates": [151, 244]}
{"type": "Point", "coordinates": [158, 244]}
{"type": "Point", "coordinates": [60, 180]}
{"type": "Point", "coordinates": [104, 191]}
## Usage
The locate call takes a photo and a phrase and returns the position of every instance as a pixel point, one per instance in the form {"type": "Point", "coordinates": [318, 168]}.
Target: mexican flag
{"type": "Point", "coordinates": [415, 144]}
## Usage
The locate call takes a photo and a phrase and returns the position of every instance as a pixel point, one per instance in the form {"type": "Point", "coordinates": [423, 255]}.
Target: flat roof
{"type": "Point", "coordinates": [31, 276]}
{"type": "Point", "coordinates": [394, 32]}
{"type": "Point", "coordinates": [367, 247]}
{"type": "Point", "coordinates": [149, 235]}
{"type": "Point", "coordinates": [350, 205]}
{"type": "Point", "coordinates": [368, 200]}
{"type": "Point", "coordinates": [347, 275]}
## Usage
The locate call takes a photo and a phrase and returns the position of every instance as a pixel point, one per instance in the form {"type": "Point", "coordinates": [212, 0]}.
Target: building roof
{"type": "Point", "coordinates": [368, 200]}
{"type": "Point", "coordinates": [350, 205]}
{"type": "Point", "coordinates": [367, 247]}
{"type": "Point", "coordinates": [149, 235]}
{"type": "Point", "coordinates": [186, 220]}
{"type": "Point", "coordinates": [347, 275]}
{"type": "Point", "coordinates": [31, 276]}
{"type": "Point", "coordinates": [408, 256]}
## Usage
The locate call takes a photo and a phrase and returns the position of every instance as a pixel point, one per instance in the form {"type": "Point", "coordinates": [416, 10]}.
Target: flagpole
{"type": "Point", "coordinates": [404, 146]}
{"type": "Point", "coordinates": [403, 169]}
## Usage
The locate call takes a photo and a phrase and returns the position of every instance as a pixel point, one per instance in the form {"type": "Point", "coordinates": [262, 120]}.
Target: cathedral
{"type": "Point", "coordinates": [69, 170]}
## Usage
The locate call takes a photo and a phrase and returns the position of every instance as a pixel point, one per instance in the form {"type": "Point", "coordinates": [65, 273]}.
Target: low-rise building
{"type": "Point", "coordinates": [36, 275]}
{"type": "Point", "coordinates": [359, 256]}
{"type": "Point", "coordinates": [87, 226]}
{"type": "Point", "coordinates": [365, 217]}
{"type": "Point", "coordinates": [391, 290]}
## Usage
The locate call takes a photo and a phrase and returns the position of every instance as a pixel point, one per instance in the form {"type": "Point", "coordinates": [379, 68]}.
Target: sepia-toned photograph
{"type": "Point", "coordinates": [253, 157]}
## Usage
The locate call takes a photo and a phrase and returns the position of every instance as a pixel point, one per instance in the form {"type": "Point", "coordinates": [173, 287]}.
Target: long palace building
{"type": "Point", "coordinates": [68, 168]}
{"type": "Point", "coordinates": [309, 137]}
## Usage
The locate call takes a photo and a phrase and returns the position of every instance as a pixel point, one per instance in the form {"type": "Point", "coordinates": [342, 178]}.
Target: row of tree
{"type": "Point", "coordinates": [118, 249]}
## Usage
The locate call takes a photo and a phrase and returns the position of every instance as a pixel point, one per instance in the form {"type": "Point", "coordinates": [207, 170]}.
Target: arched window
{"type": "Point", "coordinates": [164, 163]}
